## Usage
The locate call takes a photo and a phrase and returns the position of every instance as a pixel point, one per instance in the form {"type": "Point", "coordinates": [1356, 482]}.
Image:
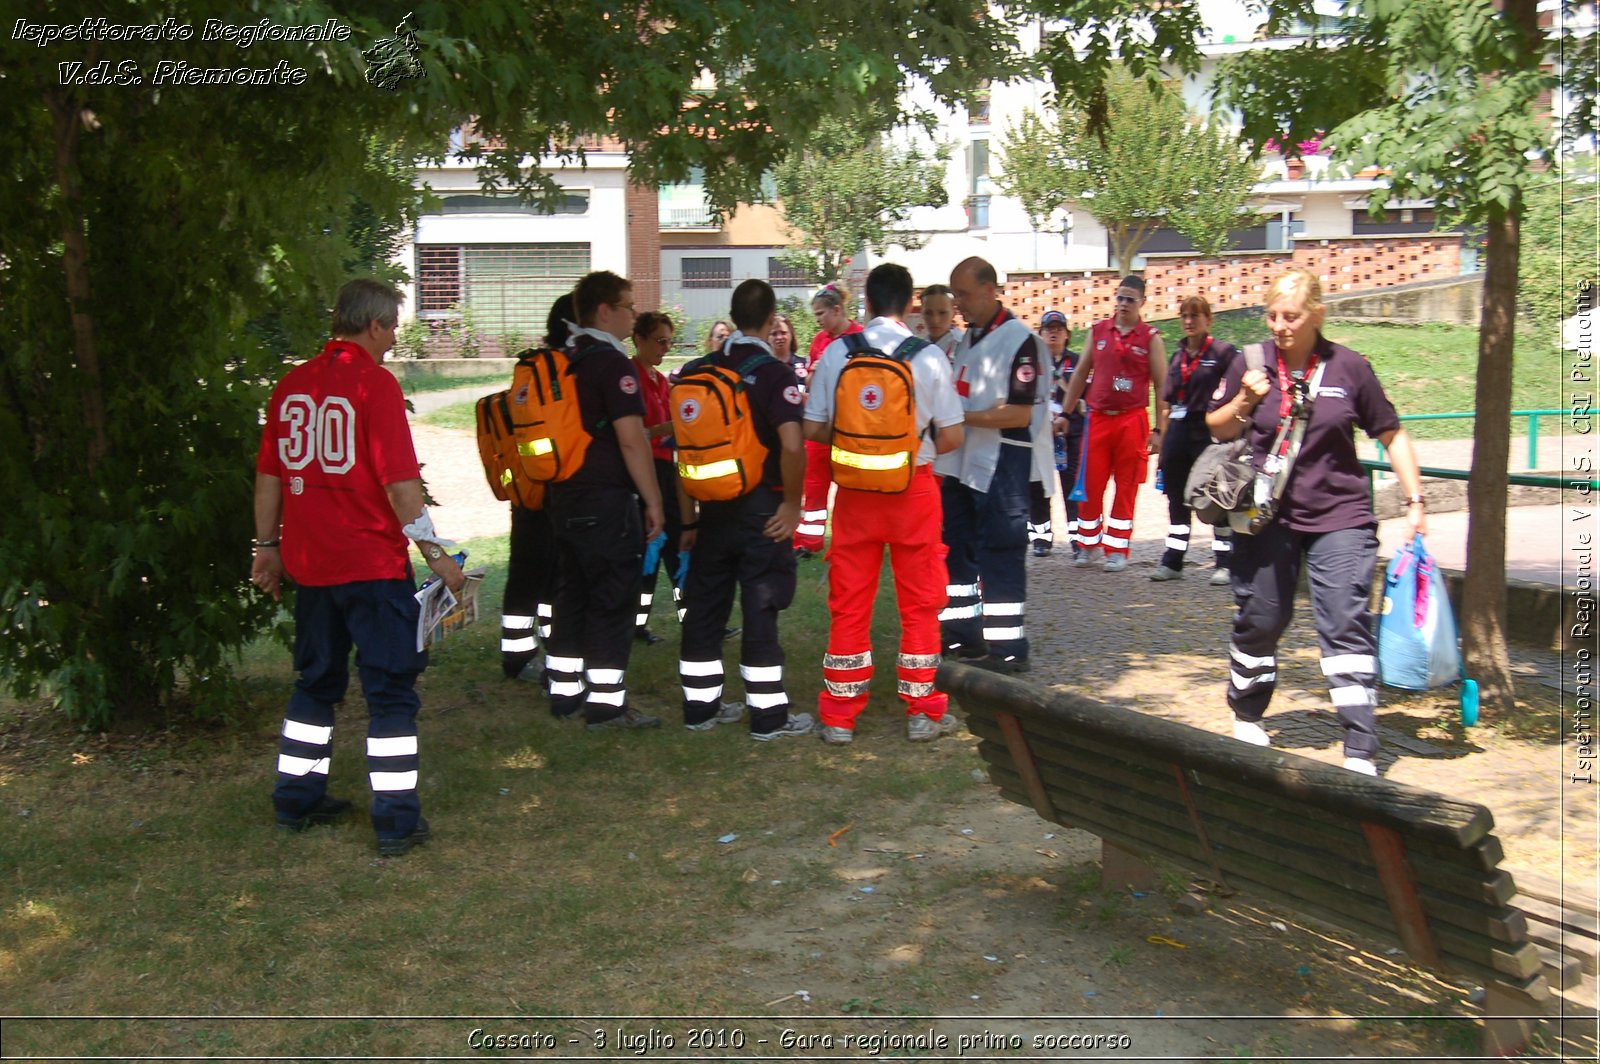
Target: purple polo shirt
{"type": "Point", "coordinates": [1328, 489]}
{"type": "Point", "coordinates": [1206, 373]}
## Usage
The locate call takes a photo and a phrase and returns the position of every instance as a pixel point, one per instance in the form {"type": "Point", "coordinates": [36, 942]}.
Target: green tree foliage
{"type": "Point", "coordinates": [1559, 241]}
{"type": "Point", "coordinates": [1151, 163]}
{"type": "Point", "coordinates": [848, 188]}
{"type": "Point", "coordinates": [167, 244]}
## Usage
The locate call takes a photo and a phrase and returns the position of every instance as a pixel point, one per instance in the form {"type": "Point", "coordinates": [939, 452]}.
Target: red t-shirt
{"type": "Point", "coordinates": [1121, 378]}
{"type": "Point", "coordinates": [336, 433]}
{"type": "Point", "coordinates": [657, 410]}
{"type": "Point", "coordinates": [820, 342]}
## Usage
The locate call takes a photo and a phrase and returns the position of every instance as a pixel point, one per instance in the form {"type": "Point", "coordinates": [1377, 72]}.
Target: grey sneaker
{"type": "Point", "coordinates": [1089, 557]}
{"type": "Point", "coordinates": [796, 724]}
{"type": "Point", "coordinates": [921, 728]}
{"type": "Point", "coordinates": [1163, 573]}
{"type": "Point", "coordinates": [1220, 578]}
{"type": "Point", "coordinates": [727, 713]}
{"type": "Point", "coordinates": [630, 718]}
{"type": "Point", "coordinates": [1115, 563]}
{"type": "Point", "coordinates": [837, 736]}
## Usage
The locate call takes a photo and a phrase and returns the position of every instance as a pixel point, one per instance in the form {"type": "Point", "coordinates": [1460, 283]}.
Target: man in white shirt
{"type": "Point", "coordinates": [906, 522]}
{"type": "Point", "coordinates": [1002, 372]}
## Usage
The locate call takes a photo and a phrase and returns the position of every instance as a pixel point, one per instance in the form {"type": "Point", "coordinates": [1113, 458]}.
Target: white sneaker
{"type": "Point", "coordinates": [1249, 731]}
{"type": "Point", "coordinates": [837, 736]}
{"type": "Point", "coordinates": [1163, 573]}
{"type": "Point", "coordinates": [1089, 557]}
{"type": "Point", "coordinates": [1220, 578]}
{"type": "Point", "coordinates": [727, 713]}
{"type": "Point", "coordinates": [921, 728]}
{"type": "Point", "coordinates": [1364, 765]}
{"type": "Point", "coordinates": [796, 724]}
{"type": "Point", "coordinates": [1115, 563]}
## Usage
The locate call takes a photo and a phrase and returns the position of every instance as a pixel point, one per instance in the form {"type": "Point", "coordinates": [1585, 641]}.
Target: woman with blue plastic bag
{"type": "Point", "coordinates": [1311, 507]}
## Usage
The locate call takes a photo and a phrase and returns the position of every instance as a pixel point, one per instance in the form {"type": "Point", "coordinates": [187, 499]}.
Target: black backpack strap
{"type": "Point", "coordinates": [909, 347]}
{"type": "Point", "coordinates": [754, 362]}
{"type": "Point", "coordinates": [856, 344]}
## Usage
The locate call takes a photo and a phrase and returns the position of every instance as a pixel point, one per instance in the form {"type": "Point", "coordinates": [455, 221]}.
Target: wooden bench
{"type": "Point", "coordinates": [1391, 862]}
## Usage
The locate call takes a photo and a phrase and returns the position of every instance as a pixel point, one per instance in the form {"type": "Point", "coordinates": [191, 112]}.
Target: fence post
{"type": "Point", "coordinates": [1533, 442]}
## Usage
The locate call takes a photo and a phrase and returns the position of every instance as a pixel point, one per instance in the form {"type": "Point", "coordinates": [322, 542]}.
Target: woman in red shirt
{"type": "Point", "coordinates": [652, 339]}
{"type": "Point", "coordinates": [831, 306]}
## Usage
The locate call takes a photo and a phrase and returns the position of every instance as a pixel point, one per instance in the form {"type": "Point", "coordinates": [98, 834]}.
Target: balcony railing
{"type": "Point", "coordinates": [688, 218]}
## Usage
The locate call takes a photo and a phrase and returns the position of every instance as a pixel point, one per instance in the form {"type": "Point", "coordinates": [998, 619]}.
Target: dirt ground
{"type": "Point", "coordinates": [1064, 959]}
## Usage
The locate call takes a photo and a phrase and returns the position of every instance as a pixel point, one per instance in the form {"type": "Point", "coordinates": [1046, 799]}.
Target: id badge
{"type": "Point", "coordinates": [1177, 412]}
{"type": "Point", "coordinates": [1122, 384]}
{"type": "Point", "coordinates": [1272, 465]}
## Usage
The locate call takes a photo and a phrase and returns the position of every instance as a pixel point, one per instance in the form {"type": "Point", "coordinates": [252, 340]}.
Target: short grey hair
{"type": "Point", "coordinates": [364, 301]}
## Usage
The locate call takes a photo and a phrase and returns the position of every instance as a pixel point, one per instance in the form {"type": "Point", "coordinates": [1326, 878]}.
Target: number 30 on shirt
{"type": "Point", "coordinates": [324, 432]}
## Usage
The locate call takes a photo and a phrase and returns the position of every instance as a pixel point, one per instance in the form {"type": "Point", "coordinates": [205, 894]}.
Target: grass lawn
{"type": "Point", "coordinates": [1426, 369]}
{"type": "Point", "coordinates": [145, 878]}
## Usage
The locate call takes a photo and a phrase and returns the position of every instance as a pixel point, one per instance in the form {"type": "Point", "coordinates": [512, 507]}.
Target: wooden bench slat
{"type": "Point", "coordinates": [1415, 811]}
{"type": "Point", "coordinates": [1472, 873]}
{"type": "Point", "coordinates": [1467, 966]}
{"type": "Point", "coordinates": [1139, 824]}
{"type": "Point", "coordinates": [1548, 912]}
{"type": "Point", "coordinates": [1232, 824]}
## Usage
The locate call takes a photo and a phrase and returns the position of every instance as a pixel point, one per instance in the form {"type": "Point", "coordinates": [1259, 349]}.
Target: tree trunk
{"type": "Point", "coordinates": [75, 242]}
{"type": "Point", "coordinates": [1483, 597]}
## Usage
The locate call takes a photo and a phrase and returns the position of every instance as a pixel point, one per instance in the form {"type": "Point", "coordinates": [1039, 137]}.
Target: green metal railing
{"type": "Point", "coordinates": [1529, 480]}
{"type": "Point", "coordinates": [1533, 417]}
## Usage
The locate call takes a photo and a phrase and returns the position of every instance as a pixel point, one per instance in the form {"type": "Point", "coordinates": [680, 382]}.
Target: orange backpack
{"type": "Point", "coordinates": [719, 454]}
{"type": "Point", "coordinates": [497, 447]}
{"type": "Point", "coordinates": [875, 434]}
{"type": "Point", "coordinates": [545, 418]}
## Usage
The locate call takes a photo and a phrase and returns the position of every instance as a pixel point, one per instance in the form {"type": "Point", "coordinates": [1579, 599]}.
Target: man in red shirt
{"type": "Point", "coordinates": [1125, 359]}
{"type": "Point", "coordinates": [338, 493]}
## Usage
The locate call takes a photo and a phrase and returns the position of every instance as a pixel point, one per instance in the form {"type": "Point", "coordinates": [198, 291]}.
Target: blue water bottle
{"type": "Point", "coordinates": [1160, 481]}
{"type": "Point", "coordinates": [1061, 453]}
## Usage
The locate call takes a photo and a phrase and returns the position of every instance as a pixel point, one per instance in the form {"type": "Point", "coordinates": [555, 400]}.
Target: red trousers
{"type": "Point", "coordinates": [814, 503]}
{"type": "Point", "coordinates": [1113, 446]}
{"type": "Point", "coordinates": [910, 524]}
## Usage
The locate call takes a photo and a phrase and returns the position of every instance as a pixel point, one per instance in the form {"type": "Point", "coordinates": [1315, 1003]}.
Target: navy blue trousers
{"type": "Point", "coordinates": [379, 619]}
{"type": "Point", "coordinates": [986, 533]}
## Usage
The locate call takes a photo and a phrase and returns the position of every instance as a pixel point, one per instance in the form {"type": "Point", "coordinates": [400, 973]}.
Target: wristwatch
{"type": "Point", "coordinates": [433, 551]}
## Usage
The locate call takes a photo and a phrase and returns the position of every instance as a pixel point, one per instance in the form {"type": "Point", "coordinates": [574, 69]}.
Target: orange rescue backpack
{"type": "Point", "coordinates": [719, 454]}
{"type": "Point", "coordinates": [875, 433]}
{"type": "Point", "coordinates": [497, 447]}
{"type": "Point", "coordinates": [545, 418]}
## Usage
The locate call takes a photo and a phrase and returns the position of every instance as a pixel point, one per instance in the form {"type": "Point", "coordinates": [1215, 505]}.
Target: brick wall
{"type": "Point", "coordinates": [644, 245]}
{"type": "Point", "coordinates": [1240, 279]}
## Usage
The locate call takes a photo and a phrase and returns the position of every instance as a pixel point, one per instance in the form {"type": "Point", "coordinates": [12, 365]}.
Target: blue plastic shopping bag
{"type": "Point", "coordinates": [1417, 638]}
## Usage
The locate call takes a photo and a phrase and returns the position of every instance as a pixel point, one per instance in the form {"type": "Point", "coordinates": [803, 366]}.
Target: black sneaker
{"type": "Point", "coordinates": [1041, 549]}
{"type": "Point", "coordinates": [802, 553]}
{"type": "Point", "coordinates": [729, 633]}
{"type": "Point", "coordinates": [628, 718]}
{"type": "Point", "coordinates": [969, 653]}
{"type": "Point", "coordinates": [399, 847]}
{"type": "Point", "coordinates": [647, 637]}
{"type": "Point", "coordinates": [326, 811]}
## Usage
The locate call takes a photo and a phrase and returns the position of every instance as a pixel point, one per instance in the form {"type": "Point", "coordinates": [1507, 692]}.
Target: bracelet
{"type": "Point", "coordinates": [690, 527]}
{"type": "Point", "coordinates": [1417, 500]}
{"type": "Point", "coordinates": [1242, 419]}
{"type": "Point", "coordinates": [258, 544]}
